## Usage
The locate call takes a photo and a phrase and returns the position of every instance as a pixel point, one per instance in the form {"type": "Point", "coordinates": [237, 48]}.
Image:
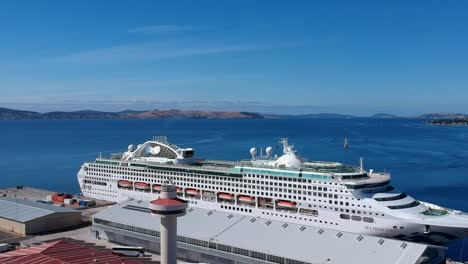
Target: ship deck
{"type": "Point", "coordinates": [225, 165]}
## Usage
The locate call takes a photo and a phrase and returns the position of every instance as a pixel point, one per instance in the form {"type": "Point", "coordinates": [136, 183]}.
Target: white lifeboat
{"type": "Point", "coordinates": [125, 184]}
{"type": "Point", "coordinates": [247, 199]}
{"type": "Point", "coordinates": [226, 196]}
{"type": "Point", "coordinates": [193, 191]}
{"type": "Point", "coordinates": [287, 204]}
{"type": "Point", "coordinates": [142, 186]}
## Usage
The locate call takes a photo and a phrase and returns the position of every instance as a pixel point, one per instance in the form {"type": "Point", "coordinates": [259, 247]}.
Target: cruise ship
{"type": "Point", "coordinates": [279, 186]}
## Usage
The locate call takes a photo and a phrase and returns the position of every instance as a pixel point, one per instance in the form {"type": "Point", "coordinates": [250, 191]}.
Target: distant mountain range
{"type": "Point", "coordinates": [384, 115]}
{"type": "Point", "coordinates": [12, 114]}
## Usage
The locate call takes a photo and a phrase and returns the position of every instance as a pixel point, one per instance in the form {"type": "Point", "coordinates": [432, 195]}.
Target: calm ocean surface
{"type": "Point", "coordinates": [427, 162]}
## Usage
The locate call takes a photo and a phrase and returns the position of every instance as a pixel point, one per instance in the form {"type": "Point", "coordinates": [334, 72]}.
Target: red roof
{"type": "Point", "coordinates": [62, 252]}
{"type": "Point", "coordinates": [168, 202]}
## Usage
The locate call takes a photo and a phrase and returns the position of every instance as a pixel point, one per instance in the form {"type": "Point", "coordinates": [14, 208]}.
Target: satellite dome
{"type": "Point", "coordinates": [155, 150]}
{"type": "Point", "coordinates": [288, 160]}
{"type": "Point", "coordinates": [131, 148]}
{"type": "Point", "coordinates": [268, 151]}
{"type": "Point", "coordinates": [253, 151]}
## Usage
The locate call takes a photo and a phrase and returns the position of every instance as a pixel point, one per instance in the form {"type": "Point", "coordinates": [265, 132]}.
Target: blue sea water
{"type": "Point", "coordinates": [427, 162]}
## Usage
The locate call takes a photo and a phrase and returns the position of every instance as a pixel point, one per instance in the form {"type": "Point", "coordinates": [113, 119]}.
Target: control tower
{"type": "Point", "coordinates": [169, 207]}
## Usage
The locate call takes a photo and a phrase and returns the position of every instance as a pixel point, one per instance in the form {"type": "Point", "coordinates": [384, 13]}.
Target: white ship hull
{"type": "Point", "coordinates": [382, 226]}
{"type": "Point", "coordinates": [289, 188]}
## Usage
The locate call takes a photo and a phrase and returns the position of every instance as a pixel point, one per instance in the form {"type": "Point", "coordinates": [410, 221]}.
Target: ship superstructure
{"type": "Point", "coordinates": [283, 187]}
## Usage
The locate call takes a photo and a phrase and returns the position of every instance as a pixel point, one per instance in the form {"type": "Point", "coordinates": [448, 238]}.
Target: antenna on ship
{"type": "Point", "coordinates": [346, 144]}
{"type": "Point", "coordinates": [361, 163]}
{"type": "Point", "coordinates": [284, 142]}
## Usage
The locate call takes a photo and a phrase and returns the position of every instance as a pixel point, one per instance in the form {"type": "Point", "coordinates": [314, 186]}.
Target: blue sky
{"type": "Point", "coordinates": [357, 57]}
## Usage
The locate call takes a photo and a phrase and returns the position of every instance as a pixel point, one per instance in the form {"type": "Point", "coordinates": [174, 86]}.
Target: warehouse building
{"type": "Point", "coordinates": [27, 217]}
{"type": "Point", "coordinates": [210, 236]}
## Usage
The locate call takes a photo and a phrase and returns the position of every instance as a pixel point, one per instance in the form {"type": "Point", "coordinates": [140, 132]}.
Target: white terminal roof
{"type": "Point", "coordinates": [294, 241]}
{"type": "Point", "coordinates": [21, 210]}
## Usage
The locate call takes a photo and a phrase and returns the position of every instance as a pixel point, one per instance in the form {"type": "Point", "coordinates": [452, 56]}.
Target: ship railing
{"type": "Point", "coordinates": [201, 168]}
{"type": "Point", "coordinates": [433, 206]}
{"type": "Point", "coordinates": [222, 162]}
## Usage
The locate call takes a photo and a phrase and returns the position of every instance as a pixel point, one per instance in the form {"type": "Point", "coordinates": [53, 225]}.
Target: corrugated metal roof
{"type": "Point", "coordinates": [62, 252]}
{"type": "Point", "coordinates": [24, 210]}
{"type": "Point", "coordinates": [294, 241]}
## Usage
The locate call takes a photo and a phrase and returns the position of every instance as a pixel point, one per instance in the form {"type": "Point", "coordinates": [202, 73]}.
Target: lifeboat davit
{"type": "Point", "coordinates": [226, 196]}
{"type": "Point", "coordinates": [142, 185]}
{"type": "Point", "coordinates": [247, 199]}
{"type": "Point", "coordinates": [287, 204]}
{"type": "Point", "coordinates": [193, 191]}
{"type": "Point", "coordinates": [125, 184]}
{"type": "Point", "coordinates": [157, 187]}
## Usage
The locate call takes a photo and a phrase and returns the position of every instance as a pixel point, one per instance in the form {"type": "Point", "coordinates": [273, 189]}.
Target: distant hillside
{"type": "Point", "coordinates": [384, 115]}
{"type": "Point", "coordinates": [442, 116]}
{"type": "Point", "coordinates": [191, 114]}
{"type": "Point", "coordinates": [11, 114]}
{"type": "Point", "coordinates": [449, 121]}
{"type": "Point", "coordinates": [83, 114]}
{"type": "Point", "coordinates": [323, 115]}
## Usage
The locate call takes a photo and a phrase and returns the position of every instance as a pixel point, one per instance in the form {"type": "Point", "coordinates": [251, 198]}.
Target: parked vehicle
{"type": "Point", "coordinates": [129, 251]}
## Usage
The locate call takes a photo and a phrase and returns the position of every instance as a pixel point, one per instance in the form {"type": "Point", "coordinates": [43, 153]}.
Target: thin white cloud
{"type": "Point", "coordinates": [156, 29]}
{"type": "Point", "coordinates": [155, 51]}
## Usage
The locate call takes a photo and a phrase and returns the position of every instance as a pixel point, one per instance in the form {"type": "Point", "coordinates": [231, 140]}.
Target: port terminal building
{"type": "Point", "coordinates": [209, 236]}
{"type": "Point", "coordinates": [27, 217]}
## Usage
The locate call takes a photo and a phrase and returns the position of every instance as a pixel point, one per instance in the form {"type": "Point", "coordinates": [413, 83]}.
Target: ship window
{"type": "Point", "coordinates": [356, 218]}
{"type": "Point", "coordinates": [413, 204]}
{"type": "Point", "coordinates": [392, 198]}
{"type": "Point", "coordinates": [345, 216]}
{"type": "Point", "coordinates": [368, 219]}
